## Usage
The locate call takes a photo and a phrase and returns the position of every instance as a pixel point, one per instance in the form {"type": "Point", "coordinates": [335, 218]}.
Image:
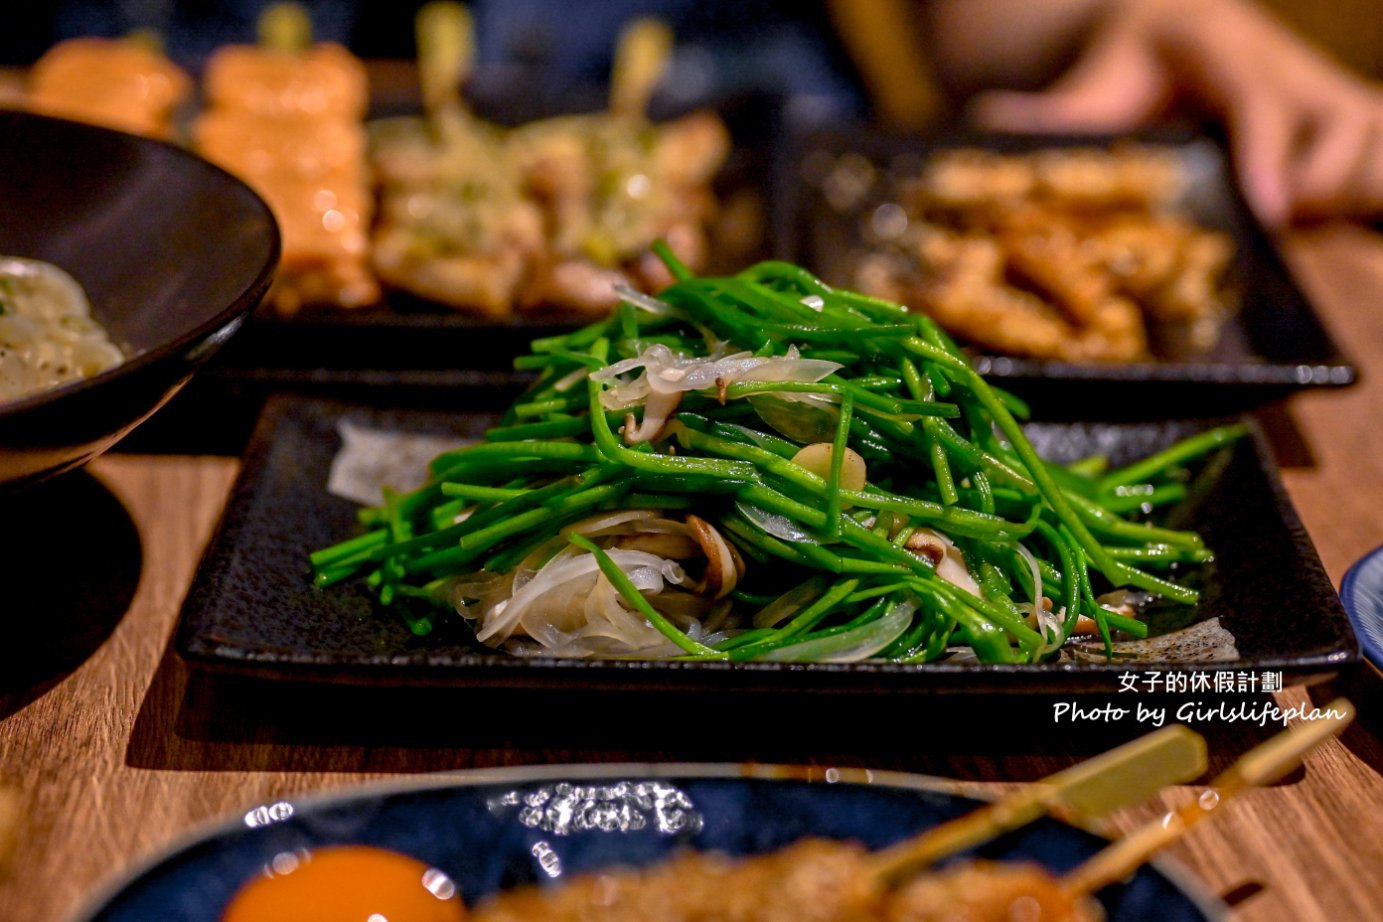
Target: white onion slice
{"type": "Point", "coordinates": [610, 523]}
{"type": "Point", "coordinates": [1048, 625]}
{"type": "Point", "coordinates": [655, 416]}
{"type": "Point", "coordinates": [647, 302]}
{"type": "Point", "coordinates": [804, 418]}
{"type": "Point", "coordinates": [791, 602]}
{"type": "Point", "coordinates": [668, 372]}
{"type": "Point", "coordinates": [564, 575]}
{"type": "Point", "coordinates": [853, 645]}
{"type": "Point", "coordinates": [779, 526]}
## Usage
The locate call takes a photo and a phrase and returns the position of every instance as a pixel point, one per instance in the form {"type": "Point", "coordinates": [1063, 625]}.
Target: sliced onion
{"type": "Point", "coordinates": [482, 589]}
{"type": "Point", "coordinates": [790, 602]}
{"type": "Point", "coordinates": [685, 609]}
{"type": "Point", "coordinates": [655, 416]}
{"type": "Point", "coordinates": [569, 380]}
{"type": "Point", "coordinates": [623, 396]}
{"type": "Point", "coordinates": [647, 302]}
{"type": "Point", "coordinates": [668, 372]}
{"type": "Point", "coordinates": [618, 522]}
{"type": "Point", "coordinates": [606, 616]}
{"type": "Point", "coordinates": [1034, 570]}
{"type": "Point", "coordinates": [804, 418]}
{"type": "Point", "coordinates": [564, 575]}
{"type": "Point", "coordinates": [779, 526]}
{"type": "Point", "coordinates": [1048, 625]}
{"type": "Point", "coordinates": [853, 645]}
{"type": "Point", "coordinates": [716, 617]}
{"type": "Point", "coordinates": [1126, 600]}
{"type": "Point", "coordinates": [539, 557]}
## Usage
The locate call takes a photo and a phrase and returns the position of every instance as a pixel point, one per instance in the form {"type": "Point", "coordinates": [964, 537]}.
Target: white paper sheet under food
{"type": "Point", "coordinates": [371, 459]}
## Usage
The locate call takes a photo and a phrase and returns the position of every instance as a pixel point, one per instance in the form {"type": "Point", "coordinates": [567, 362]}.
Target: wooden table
{"type": "Point", "coordinates": [117, 754]}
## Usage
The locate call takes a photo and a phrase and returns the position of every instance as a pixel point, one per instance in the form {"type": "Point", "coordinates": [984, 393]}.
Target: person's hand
{"type": "Point", "coordinates": [1307, 136]}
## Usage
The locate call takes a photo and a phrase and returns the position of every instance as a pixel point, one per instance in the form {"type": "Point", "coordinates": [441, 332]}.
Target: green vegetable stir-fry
{"type": "Point", "coordinates": [762, 467]}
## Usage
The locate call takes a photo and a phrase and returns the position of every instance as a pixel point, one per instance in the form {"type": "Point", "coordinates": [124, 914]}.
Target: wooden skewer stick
{"type": "Point", "coordinates": [151, 40]}
{"type": "Point", "coordinates": [445, 35]}
{"type": "Point", "coordinates": [1120, 777]}
{"type": "Point", "coordinates": [641, 58]}
{"type": "Point", "coordinates": [285, 27]}
{"type": "Point", "coordinates": [1261, 765]}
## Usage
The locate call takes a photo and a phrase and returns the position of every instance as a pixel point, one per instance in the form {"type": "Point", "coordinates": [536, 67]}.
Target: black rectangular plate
{"type": "Point", "coordinates": [1272, 345]}
{"type": "Point", "coordinates": [252, 609]}
{"type": "Point", "coordinates": [399, 336]}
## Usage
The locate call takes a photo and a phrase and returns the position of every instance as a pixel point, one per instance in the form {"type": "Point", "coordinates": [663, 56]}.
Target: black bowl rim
{"type": "Point", "coordinates": [239, 307]}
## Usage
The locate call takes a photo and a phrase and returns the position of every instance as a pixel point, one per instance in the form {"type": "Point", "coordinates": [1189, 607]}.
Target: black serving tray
{"type": "Point", "coordinates": [1272, 345]}
{"type": "Point", "coordinates": [252, 609]}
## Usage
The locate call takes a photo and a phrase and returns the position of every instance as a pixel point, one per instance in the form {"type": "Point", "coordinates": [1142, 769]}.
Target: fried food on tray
{"type": "Point", "coordinates": [609, 187]}
{"type": "Point", "coordinates": [325, 81]}
{"type": "Point", "coordinates": [962, 281]}
{"type": "Point", "coordinates": [118, 83]}
{"type": "Point", "coordinates": [812, 880]}
{"type": "Point", "coordinates": [971, 180]}
{"type": "Point", "coordinates": [554, 214]}
{"type": "Point", "coordinates": [1058, 254]}
{"type": "Point", "coordinates": [289, 124]}
{"type": "Point", "coordinates": [455, 226]}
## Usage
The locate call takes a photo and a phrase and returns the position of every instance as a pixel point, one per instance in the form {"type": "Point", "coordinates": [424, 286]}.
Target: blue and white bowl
{"type": "Point", "coordinates": [1362, 593]}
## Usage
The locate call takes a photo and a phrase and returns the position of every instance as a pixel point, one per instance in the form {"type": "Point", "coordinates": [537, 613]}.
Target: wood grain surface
{"type": "Point", "coordinates": [113, 751]}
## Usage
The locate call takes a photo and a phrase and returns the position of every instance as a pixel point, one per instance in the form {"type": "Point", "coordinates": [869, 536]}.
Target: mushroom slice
{"type": "Point", "coordinates": [722, 565]}
{"type": "Point", "coordinates": [945, 557]}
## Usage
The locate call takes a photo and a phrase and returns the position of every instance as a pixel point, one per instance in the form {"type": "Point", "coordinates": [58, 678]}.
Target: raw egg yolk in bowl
{"type": "Point", "coordinates": [347, 883]}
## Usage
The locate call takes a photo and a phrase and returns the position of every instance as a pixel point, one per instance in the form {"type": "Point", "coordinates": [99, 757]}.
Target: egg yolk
{"type": "Point", "coordinates": [347, 883]}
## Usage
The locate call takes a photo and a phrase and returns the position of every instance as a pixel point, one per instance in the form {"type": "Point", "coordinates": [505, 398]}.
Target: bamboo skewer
{"type": "Point", "coordinates": [445, 36]}
{"type": "Point", "coordinates": [1260, 766]}
{"type": "Point", "coordinates": [641, 59]}
{"type": "Point", "coordinates": [284, 27]}
{"type": "Point", "coordinates": [1120, 777]}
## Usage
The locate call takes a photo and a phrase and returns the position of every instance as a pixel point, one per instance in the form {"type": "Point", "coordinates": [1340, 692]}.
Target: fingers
{"type": "Point", "coordinates": [1305, 139]}
{"type": "Point", "coordinates": [1327, 167]}
{"type": "Point", "coordinates": [1261, 136]}
{"type": "Point", "coordinates": [1339, 170]}
{"type": "Point", "coordinates": [1116, 86]}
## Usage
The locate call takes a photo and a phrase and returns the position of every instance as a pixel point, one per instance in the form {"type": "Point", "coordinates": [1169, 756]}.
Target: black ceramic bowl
{"type": "Point", "coordinates": [173, 254]}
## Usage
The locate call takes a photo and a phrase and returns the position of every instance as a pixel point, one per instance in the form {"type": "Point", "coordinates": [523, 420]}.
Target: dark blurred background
{"type": "Point", "coordinates": [765, 44]}
{"type": "Point", "coordinates": [540, 56]}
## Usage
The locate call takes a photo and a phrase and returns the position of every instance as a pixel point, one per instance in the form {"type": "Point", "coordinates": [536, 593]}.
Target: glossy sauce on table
{"type": "Point", "coordinates": [120, 753]}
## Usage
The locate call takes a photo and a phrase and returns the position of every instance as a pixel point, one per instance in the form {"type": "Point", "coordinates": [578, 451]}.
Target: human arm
{"type": "Point", "coordinates": [1307, 135]}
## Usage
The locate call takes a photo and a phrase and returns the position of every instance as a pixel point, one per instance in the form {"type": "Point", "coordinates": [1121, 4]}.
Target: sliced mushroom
{"type": "Point", "coordinates": [927, 544]}
{"type": "Point", "coordinates": [722, 568]}
{"type": "Point", "coordinates": [943, 554]}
